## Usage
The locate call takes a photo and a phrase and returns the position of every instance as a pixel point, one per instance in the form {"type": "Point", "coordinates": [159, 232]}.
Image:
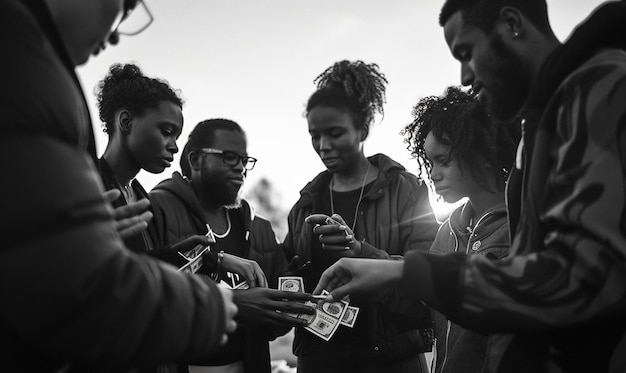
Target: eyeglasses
{"type": "Point", "coordinates": [136, 18]}
{"type": "Point", "coordinates": [232, 158]}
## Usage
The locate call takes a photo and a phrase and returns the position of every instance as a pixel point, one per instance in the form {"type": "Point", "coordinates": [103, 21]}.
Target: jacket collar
{"type": "Point", "coordinates": [386, 167]}
{"type": "Point", "coordinates": [181, 188]}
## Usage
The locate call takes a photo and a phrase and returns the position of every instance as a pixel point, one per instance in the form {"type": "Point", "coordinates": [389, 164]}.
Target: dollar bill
{"type": "Point", "coordinates": [326, 319]}
{"type": "Point", "coordinates": [291, 283]}
{"type": "Point", "coordinates": [349, 317]}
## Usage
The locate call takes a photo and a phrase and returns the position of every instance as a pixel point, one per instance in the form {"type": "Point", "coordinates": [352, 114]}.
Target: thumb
{"type": "Point", "coordinates": [293, 264]}
{"type": "Point", "coordinates": [111, 195]}
{"type": "Point", "coordinates": [316, 219]}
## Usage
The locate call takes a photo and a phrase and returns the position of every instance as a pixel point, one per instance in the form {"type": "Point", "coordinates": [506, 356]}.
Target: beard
{"type": "Point", "coordinates": [219, 193]}
{"type": "Point", "coordinates": [509, 95]}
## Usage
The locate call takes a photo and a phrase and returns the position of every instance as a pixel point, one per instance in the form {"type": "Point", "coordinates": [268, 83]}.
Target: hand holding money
{"type": "Point", "coordinates": [335, 235]}
{"type": "Point", "coordinates": [271, 306]}
{"type": "Point", "coordinates": [369, 277]}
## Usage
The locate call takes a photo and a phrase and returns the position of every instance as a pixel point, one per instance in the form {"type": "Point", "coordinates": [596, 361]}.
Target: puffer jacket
{"type": "Point", "coordinates": [396, 216]}
{"type": "Point", "coordinates": [459, 349]}
{"type": "Point", "coordinates": [178, 215]}
{"type": "Point", "coordinates": [71, 292]}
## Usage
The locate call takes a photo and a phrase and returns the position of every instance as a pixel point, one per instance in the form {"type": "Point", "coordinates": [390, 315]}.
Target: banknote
{"type": "Point", "coordinates": [291, 283]}
{"type": "Point", "coordinates": [326, 319]}
{"type": "Point", "coordinates": [194, 260]}
{"type": "Point", "coordinates": [349, 317]}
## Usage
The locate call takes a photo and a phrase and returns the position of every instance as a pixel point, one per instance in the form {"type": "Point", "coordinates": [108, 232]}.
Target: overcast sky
{"type": "Point", "coordinates": [254, 61]}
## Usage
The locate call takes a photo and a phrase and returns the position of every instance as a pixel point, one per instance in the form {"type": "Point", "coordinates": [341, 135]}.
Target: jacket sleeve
{"type": "Point", "coordinates": [70, 289]}
{"type": "Point", "coordinates": [577, 266]}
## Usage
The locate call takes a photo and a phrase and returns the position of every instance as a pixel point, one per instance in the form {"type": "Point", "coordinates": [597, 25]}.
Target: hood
{"type": "Point", "coordinates": [386, 165]}
{"type": "Point", "coordinates": [486, 224]}
{"type": "Point", "coordinates": [181, 188]}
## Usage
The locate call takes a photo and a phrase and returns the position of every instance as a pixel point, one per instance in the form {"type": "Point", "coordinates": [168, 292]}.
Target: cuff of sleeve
{"type": "Point", "coordinates": [435, 279]}
{"type": "Point", "coordinates": [369, 251]}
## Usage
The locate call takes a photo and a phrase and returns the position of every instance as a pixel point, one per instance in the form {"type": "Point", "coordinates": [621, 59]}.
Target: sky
{"type": "Point", "coordinates": [254, 61]}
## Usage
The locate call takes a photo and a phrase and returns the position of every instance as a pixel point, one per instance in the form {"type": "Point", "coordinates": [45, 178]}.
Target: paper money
{"type": "Point", "coordinates": [349, 317]}
{"type": "Point", "coordinates": [194, 259]}
{"type": "Point", "coordinates": [291, 283]}
{"type": "Point", "coordinates": [326, 319]}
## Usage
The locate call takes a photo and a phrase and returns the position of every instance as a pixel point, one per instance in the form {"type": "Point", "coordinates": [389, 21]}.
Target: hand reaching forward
{"type": "Point", "coordinates": [335, 235]}
{"type": "Point", "coordinates": [230, 310]}
{"type": "Point", "coordinates": [249, 269]}
{"type": "Point", "coordinates": [132, 218]}
{"type": "Point", "coordinates": [359, 276]}
{"type": "Point", "coordinates": [269, 306]}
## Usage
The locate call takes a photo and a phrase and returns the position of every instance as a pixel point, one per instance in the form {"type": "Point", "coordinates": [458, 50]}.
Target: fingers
{"type": "Point", "coordinates": [316, 219]}
{"type": "Point", "coordinates": [131, 226]}
{"type": "Point", "coordinates": [230, 309]}
{"type": "Point", "coordinates": [260, 278]}
{"type": "Point", "coordinates": [190, 243]}
{"type": "Point", "coordinates": [111, 195]}
{"type": "Point", "coordinates": [132, 209]}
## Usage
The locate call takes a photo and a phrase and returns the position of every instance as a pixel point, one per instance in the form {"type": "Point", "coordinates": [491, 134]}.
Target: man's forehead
{"type": "Point", "coordinates": [457, 30]}
{"type": "Point", "coordinates": [226, 139]}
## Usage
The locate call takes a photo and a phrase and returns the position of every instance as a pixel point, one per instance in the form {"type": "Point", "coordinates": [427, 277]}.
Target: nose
{"type": "Point", "coordinates": [172, 147]}
{"type": "Point", "coordinates": [324, 143]}
{"type": "Point", "coordinates": [467, 75]}
{"type": "Point", "coordinates": [240, 166]}
{"type": "Point", "coordinates": [435, 174]}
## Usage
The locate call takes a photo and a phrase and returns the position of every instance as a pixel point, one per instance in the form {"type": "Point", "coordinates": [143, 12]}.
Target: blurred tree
{"type": "Point", "coordinates": [266, 201]}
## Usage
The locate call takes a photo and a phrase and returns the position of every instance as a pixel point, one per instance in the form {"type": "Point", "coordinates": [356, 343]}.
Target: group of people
{"type": "Point", "coordinates": [526, 276]}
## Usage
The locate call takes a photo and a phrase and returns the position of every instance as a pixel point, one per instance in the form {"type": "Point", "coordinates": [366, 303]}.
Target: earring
{"type": "Point", "coordinates": [515, 35]}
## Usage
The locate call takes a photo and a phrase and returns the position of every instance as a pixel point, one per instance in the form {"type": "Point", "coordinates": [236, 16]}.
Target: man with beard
{"type": "Point", "coordinates": [205, 199]}
{"type": "Point", "coordinates": [561, 292]}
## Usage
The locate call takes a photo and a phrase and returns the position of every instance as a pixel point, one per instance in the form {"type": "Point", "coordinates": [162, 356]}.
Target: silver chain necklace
{"type": "Point", "coordinates": [356, 210]}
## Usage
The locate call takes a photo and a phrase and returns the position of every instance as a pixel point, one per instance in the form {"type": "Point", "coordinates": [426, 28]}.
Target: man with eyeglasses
{"type": "Point", "coordinates": [206, 199]}
{"type": "Point", "coordinates": [71, 292]}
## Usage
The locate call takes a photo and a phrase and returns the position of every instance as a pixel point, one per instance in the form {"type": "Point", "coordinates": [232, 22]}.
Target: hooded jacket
{"type": "Point", "coordinates": [178, 215]}
{"type": "Point", "coordinates": [562, 289]}
{"type": "Point", "coordinates": [396, 216]}
{"type": "Point", "coordinates": [459, 349]}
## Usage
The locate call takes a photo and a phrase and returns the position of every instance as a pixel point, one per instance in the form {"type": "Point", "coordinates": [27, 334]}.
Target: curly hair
{"type": "Point", "coordinates": [353, 85]}
{"type": "Point", "coordinates": [126, 87]}
{"type": "Point", "coordinates": [484, 13]}
{"type": "Point", "coordinates": [459, 120]}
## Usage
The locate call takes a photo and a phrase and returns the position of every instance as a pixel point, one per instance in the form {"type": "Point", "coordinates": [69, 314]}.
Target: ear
{"type": "Point", "coordinates": [124, 121]}
{"type": "Point", "coordinates": [512, 21]}
{"type": "Point", "coordinates": [195, 160]}
{"type": "Point", "coordinates": [365, 131]}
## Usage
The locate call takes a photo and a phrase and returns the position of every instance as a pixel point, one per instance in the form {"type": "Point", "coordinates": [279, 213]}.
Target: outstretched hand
{"type": "Point", "coordinates": [373, 277]}
{"type": "Point", "coordinates": [270, 306]}
{"type": "Point", "coordinates": [249, 269]}
{"type": "Point", "coordinates": [132, 218]}
{"type": "Point", "coordinates": [189, 243]}
{"type": "Point", "coordinates": [335, 235]}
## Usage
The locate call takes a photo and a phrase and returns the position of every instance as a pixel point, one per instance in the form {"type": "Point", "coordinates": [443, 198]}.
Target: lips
{"type": "Point", "coordinates": [329, 161]}
{"type": "Point", "coordinates": [236, 180]}
{"type": "Point", "coordinates": [441, 189]}
{"type": "Point", "coordinates": [167, 161]}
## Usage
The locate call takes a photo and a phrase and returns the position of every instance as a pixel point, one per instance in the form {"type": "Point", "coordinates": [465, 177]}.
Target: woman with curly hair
{"type": "Point", "coordinates": [143, 118]}
{"type": "Point", "coordinates": [383, 206]}
{"type": "Point", "coordinates": [464, 154]}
